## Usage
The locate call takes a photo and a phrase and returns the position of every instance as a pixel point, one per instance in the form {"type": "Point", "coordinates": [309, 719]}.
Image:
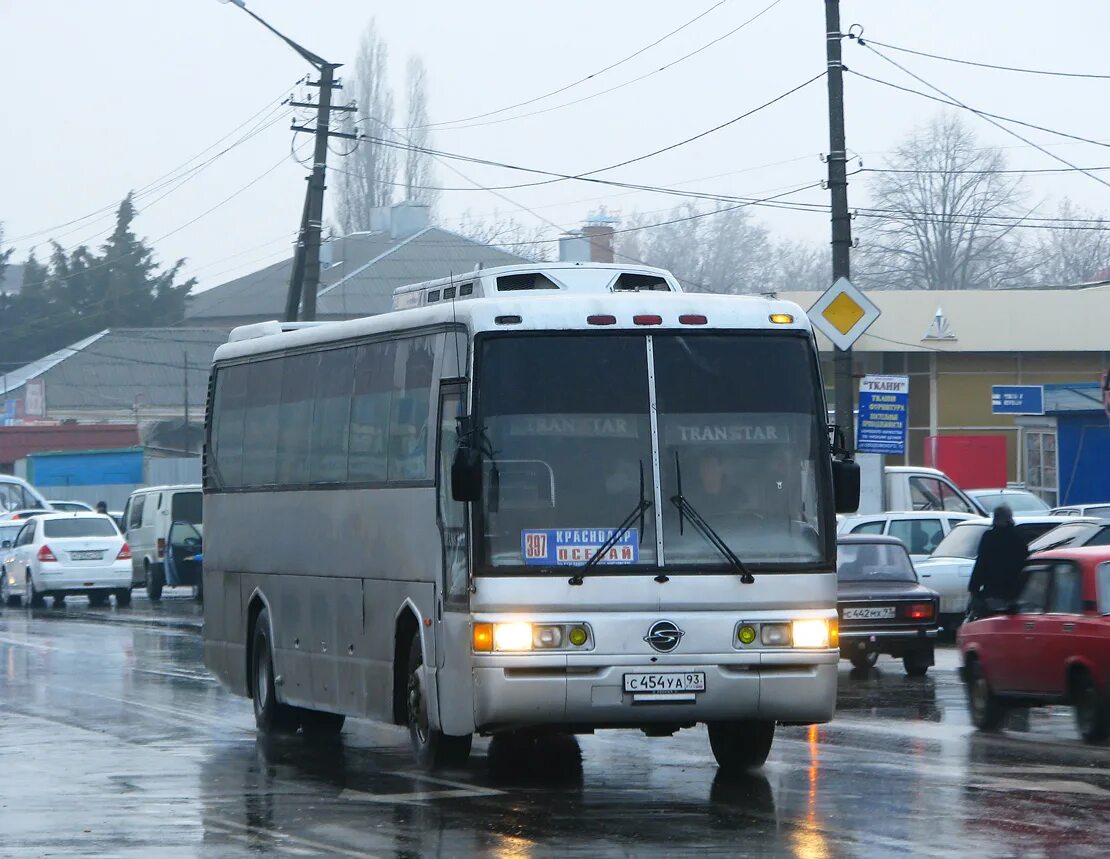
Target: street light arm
{"type": "Point", "coordinates": [317, 61]}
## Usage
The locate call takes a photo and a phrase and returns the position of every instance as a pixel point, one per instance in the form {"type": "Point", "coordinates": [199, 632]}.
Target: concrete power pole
{"type": "Point", "coordinates": [841, 218]}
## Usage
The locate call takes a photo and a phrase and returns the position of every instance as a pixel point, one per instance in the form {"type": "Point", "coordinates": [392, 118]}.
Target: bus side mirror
{"type": "Point", "coordinates": [845, 485]}
{"type": "Point", "coordinates": [466, 474]}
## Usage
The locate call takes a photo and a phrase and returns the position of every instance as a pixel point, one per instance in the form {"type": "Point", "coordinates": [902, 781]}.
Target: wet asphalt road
{"type": "Point", "coordinates": [115, 742]}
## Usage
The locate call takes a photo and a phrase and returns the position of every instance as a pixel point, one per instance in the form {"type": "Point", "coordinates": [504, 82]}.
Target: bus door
{"type": "Point", "coordinates": [452, 621]}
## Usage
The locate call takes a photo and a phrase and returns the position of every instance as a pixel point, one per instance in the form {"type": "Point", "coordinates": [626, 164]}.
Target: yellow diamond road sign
{"type": "Point", "coordinates": [843, 313]}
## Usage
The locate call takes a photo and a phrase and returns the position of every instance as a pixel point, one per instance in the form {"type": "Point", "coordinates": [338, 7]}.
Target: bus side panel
{"type": "Point", "coordinates": [384, 602]}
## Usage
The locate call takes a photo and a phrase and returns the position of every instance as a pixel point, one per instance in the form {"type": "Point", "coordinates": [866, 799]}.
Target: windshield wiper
{"type": "Point", "coordinates": [637, 515]}
{"type": "Point", "coordinates": [686, 510]}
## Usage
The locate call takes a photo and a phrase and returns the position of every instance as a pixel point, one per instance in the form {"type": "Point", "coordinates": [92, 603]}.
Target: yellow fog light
{"type": "Point", "coordinates": [578, 636]}
{"type": "Point", "coordinates": [512, 636]}
{"type": "Point", "coordinates": [746, 634]}
{"type": "Point", "coordinates": [811, 633]}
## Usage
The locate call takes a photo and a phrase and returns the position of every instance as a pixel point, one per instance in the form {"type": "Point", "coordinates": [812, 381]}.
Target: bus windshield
{"type": "Point", "coordinates": [565, 421]}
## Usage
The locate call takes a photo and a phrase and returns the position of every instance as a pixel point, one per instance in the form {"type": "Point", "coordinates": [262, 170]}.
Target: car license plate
{"type": "Point", "coordinates": [665, 683]}
{"type": "Point", "coordinates": [877, 613]}
{"type": "Point", "coordinates": [86, 556]}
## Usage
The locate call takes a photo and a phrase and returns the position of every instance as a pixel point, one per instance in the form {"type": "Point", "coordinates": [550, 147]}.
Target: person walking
{"type": "Point", "coordinates": [996, 578]}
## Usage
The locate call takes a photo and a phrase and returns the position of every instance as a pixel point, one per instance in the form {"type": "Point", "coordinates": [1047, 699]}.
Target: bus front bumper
{"type": "Point", "coordinates": [590, 692]}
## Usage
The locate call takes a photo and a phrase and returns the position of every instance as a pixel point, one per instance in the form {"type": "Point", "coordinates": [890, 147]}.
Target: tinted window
{"type": "Point", "coordinates": [1103, 581]}
{"type": "Point", "coordinates": [869, 528]}
{"type": "Point", "coordinates": [298, 393]}
{"type": "Point", "coordinates": [1101, 511]}
{"type": "Point", "coordinates": [226, 453]}
{"type": "Point", "coordinates": [187, 507]}
{"type": "Point", "coordinates": [1067, 588]}
{"type": "Point", "coordinates": [921, 536]}
{"type": "Point", "coordinates": [1102, 538]}
{"type": "Point", "coordinates": [27, 534]}
{"type": "Point", "coordinates": [370, 407]}
{"type": "Point", "coordinates": [961, 542]}
{"type": "Point", "coordinates": [136, 518]}
{"type": "Point", "coordinates": [332, 416]}
{"type": "Point", "coordinates": [932, 493]}
{"type": "Point", "coordinates": [528, 280]}
{"type": "Point", "coordinates": [1034, 595]}
{"type": "Point", "coordinates": [859, 562]}
{"type": "Point", "coordinates": [260, 429]}
{"type": "Point", "coordinates": [410, 410]}
{"type": "Point", "coordinates": [79, 527]}
{"type": "Point", "coordinates": [1030, 531]}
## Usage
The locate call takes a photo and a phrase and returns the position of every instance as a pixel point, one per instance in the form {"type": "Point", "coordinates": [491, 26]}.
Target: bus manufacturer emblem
{"type": "Point", "coordinates": [664, 636]}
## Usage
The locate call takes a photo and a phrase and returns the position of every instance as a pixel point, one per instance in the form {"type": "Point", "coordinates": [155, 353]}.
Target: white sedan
{"type": "Point", "coordinates": [921, 530]}
{"type": "Point", "coordinates": [948, 570]}
{"type": "Point", "coordinates": [58, 554]}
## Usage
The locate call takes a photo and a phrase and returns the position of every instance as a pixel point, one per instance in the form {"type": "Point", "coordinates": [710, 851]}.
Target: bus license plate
{"type": "Point", "coordinates": [878, 613]}
{"type": "Point", "coordinates": [660, 683]}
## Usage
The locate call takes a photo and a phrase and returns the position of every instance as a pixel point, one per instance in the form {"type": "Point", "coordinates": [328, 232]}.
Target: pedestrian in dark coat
{"type": "Point", "coordinates": [996, 579]}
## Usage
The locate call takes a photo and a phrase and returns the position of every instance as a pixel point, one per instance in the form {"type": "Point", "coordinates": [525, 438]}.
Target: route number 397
{"type": "Point", "coordinates": [535, 546]}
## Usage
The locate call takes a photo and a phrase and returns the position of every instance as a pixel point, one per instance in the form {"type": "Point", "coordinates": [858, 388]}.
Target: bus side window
{"type": "Point", "coordinates": [408, 419]}
{"type": "Point", "coordinates": [452, 513]}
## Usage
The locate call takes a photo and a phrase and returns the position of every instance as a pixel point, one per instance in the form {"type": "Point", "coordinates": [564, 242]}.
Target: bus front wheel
{"type": "Point", "coordinates": [270, 715]}
{"type": "Point", "coordinates": [433, 749]}
{"type": "Point", "coordinates": [741, 745]}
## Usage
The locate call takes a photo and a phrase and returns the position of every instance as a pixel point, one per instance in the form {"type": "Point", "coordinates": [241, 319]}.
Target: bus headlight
{"type": "Point", "coordinates": [811, 633]}
{"type": "Point", "coordinates": [512, 636]}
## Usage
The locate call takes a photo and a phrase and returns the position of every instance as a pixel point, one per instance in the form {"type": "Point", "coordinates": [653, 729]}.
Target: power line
{"type": "Point", "coordinates": [989, 118]}
{"type": "Point", "coordinates": [619, 86]}
{"type": "Point", "coordinates": [938, 170]}
{"type": "Point", "coordinates": [982, 65]}
{"type": "Point", "coordinates": [160, 181]}
{"type": "Point", "coordinates": [587, 78]}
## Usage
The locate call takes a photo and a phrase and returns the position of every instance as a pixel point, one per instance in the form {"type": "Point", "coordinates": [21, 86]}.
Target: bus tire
{"type": "Point", "coordinates": [741, 745]}
{"type": "Point", "coordinates": [318, 725]}
{"type": "Point", "coordinates": [155, 581]}
{"type": "Point", "coordinates": [270, 715]}
{"type": "Point", "coordinates": [433, 749]}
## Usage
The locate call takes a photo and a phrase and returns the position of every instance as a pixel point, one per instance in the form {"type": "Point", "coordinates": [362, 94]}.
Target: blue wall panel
{"type": "Point", "coordinates": [1083, 447]}
{"type": "Point", "coordinates": [87, 468]}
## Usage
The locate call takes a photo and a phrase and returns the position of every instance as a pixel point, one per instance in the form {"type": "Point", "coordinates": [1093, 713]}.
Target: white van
{"type": "Point", "coordinates": [147, 519]}
{"type": "Point", "coordinates": [17, 494]}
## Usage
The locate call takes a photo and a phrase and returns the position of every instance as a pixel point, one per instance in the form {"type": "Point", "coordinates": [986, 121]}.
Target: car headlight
{"type": "Point", "coordinates": [813, 633]}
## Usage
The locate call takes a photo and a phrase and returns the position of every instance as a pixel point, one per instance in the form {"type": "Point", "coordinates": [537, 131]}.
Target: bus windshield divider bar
{"type": "Point", "coordinates": [656, 470]}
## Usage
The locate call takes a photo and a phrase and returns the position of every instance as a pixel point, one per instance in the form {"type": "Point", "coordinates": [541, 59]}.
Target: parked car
{"type": "Point", "coordinates": [8, 532]}
{"type": "Point", "coordinates": [904, 487]}
{"type": "Point", "coordinates": [70, 507]}
{"type": "Point", "coordinates": [1020, 500]}
{"type": "Point", "coordinates": [59, 554]}
{"type": "Point", "coordinates": [17, 494]}
{"type": "Point", "coordinates": [20, 515]}
{"type": "Point", "coordinates": [920, 531]}
{"type": "Point", "coordinates": [882, 606]}
{"type": "Point", "coordinates": [1053, 647]}
{"type": "Point", "coordinates": [149, 515]}
{"type": "Point", "coordinates": [1099, 511]}
{"type": "Point", "coordinates": [948, 569]}
{"type": "Point", "coordinates": [1084, 533]}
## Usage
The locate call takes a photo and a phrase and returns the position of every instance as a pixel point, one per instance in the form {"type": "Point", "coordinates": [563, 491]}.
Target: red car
{"type": "Point", "coordinates": [1052, 647]}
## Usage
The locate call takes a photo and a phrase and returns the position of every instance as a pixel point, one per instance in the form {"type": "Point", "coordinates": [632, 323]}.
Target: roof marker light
{"type": "Point", "coordinates": [692, 319]}
{"type": "Point", "coordinates": [601, 319]}
{"type": "Point", "coordinates": [508, 319]}
{"type": "Point", "coordinates": [781, 318]}
{"type": "Point", "coordinates": [647, 319]}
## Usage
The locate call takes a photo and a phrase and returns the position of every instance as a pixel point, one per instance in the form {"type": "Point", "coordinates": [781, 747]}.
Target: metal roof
{"type": "Point", "coordinates": [365, 269]}
{"type": "Point", "coordinates": [117, 368]}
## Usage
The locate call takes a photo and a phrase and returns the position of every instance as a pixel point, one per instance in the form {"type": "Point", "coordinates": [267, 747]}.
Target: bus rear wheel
{"type": "Point", "coordinates": [270, 715]}
{"type": "Point", "coordinates": [318, 725]}
{"type": "Point", "coordinates": [433, 749]}
{"type": "Point", "coordinates": [741, 745]}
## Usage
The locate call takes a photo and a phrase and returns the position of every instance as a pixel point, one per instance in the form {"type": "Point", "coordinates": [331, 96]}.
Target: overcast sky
{"type": "Point", "coordinates": [105, 96]}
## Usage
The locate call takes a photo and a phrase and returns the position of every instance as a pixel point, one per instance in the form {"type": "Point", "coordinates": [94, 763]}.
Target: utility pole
{"type": "Point", "coordinates": [185, 386]}
{"type": "Point", "coordinates": [312, 221]}
{"type": "Point", "coordinates": [304, 279]}
{"type": "Point", "coordinates": [841, 218]}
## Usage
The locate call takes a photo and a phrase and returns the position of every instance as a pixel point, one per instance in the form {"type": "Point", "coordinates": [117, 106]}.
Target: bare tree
{"type": "Point", "coordinates": [369, 173]}
{"type": "Point", "coordinates": [726, 252]}
{"type": "Point", "coordinates": [941, 215]}
{"type": "Point", "coordinates": [799, 266]}
{"type": "Point", "coordinates": [508, 234]}
{"type": "Point", "coordinates": [1075, 253]}
{"type": "Point", "coordinates": [417, 171]}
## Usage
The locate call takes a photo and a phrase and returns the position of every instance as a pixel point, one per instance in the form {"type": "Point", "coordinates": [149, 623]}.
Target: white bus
{"type": "Point", "coordinates": [539, 509]}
